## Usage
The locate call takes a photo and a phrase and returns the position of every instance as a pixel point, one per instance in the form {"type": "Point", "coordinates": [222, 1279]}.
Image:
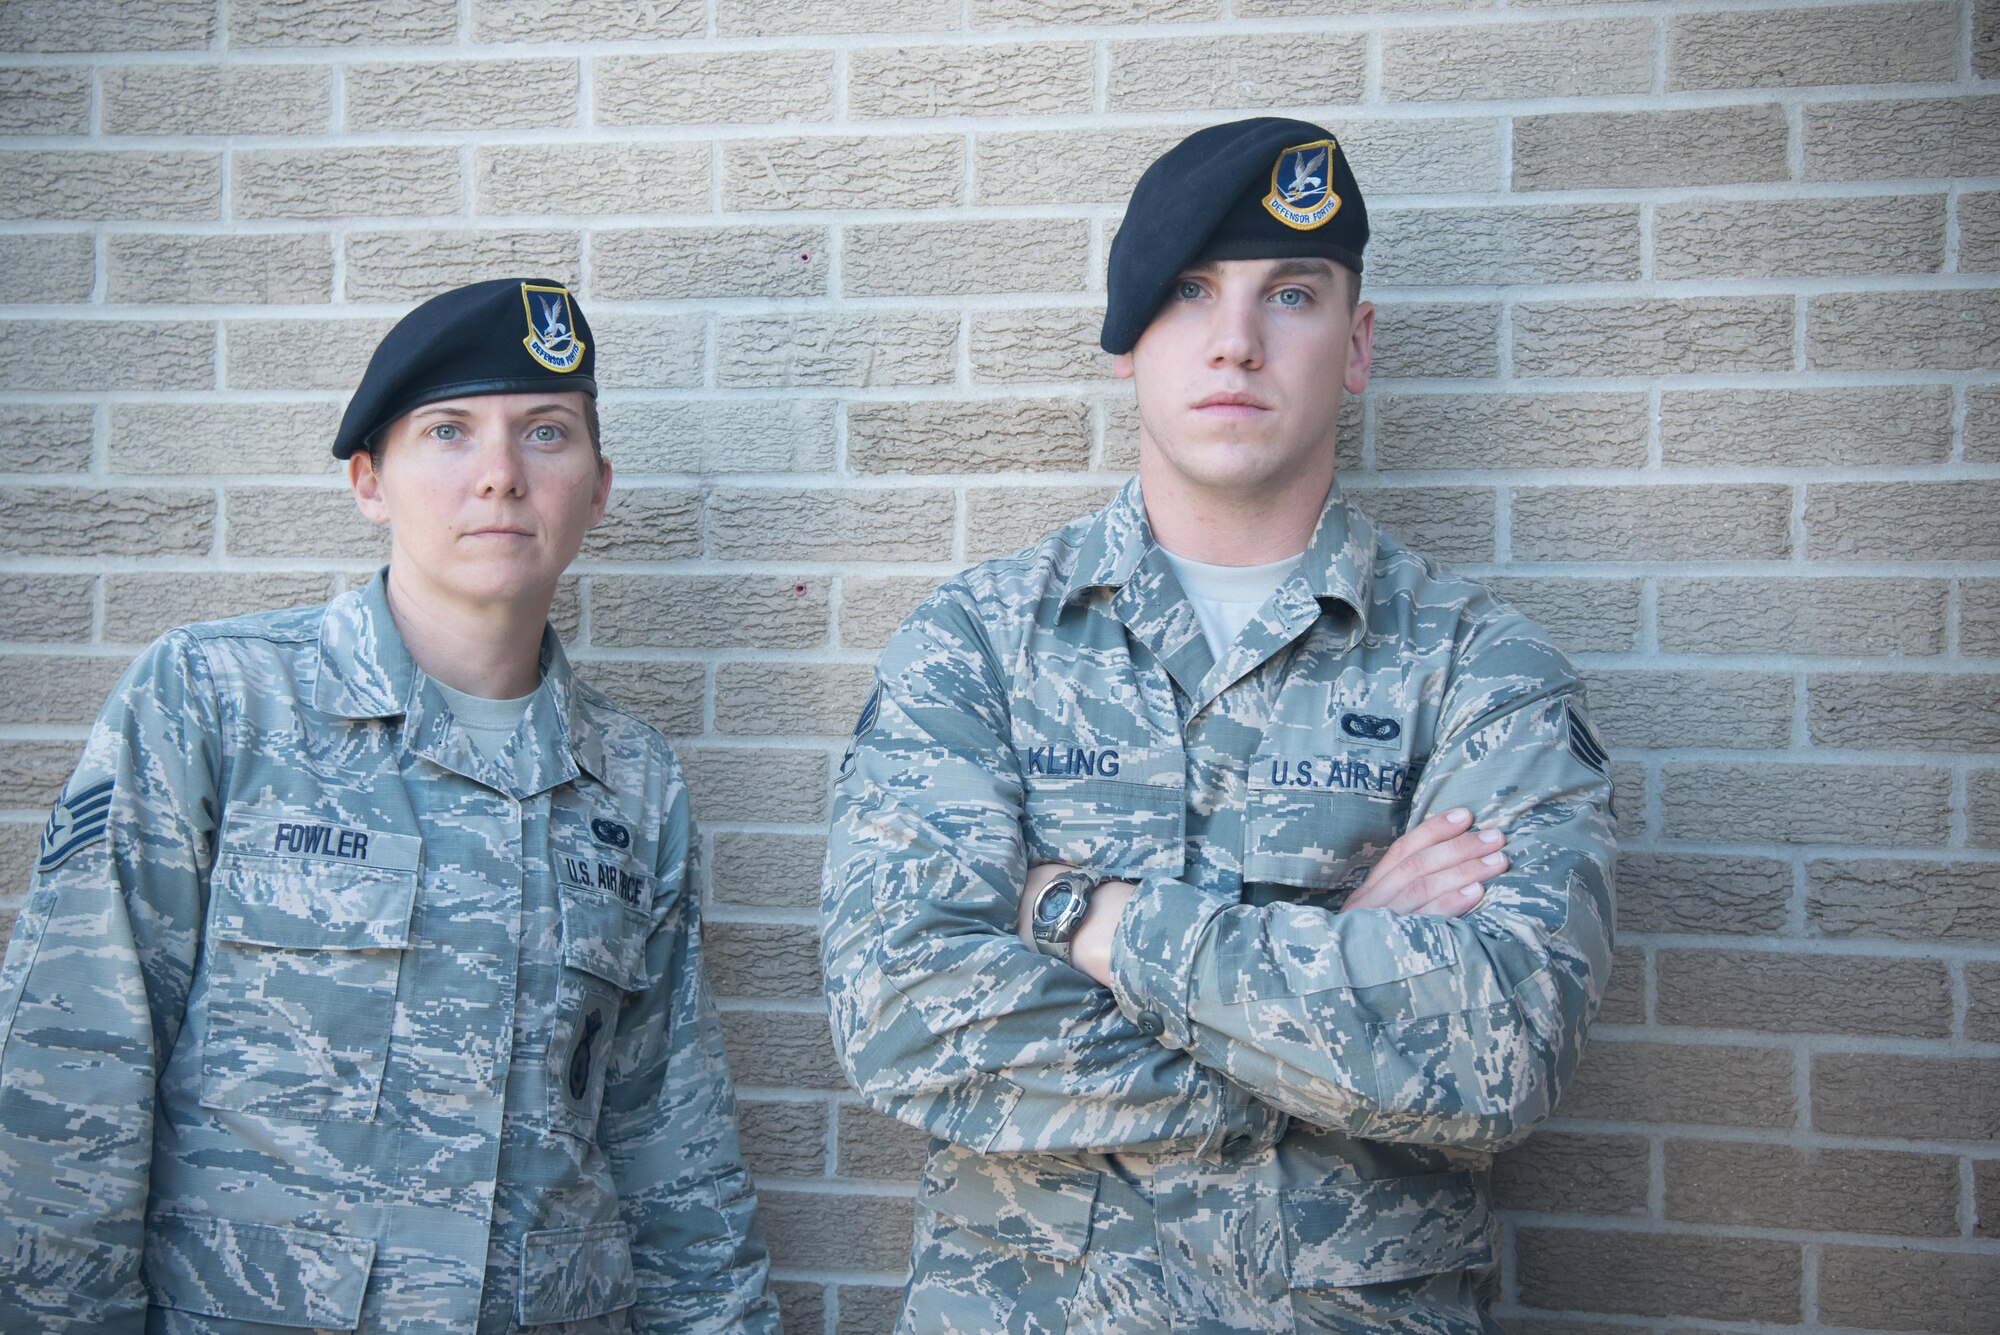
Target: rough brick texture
{"type": "Point", "coordinates": [1685, 342]}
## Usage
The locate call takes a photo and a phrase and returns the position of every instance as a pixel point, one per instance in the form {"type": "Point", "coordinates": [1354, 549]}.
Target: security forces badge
{"type": "Point", "coordinates": [79, 820]}
{"type": "Point", "coordinates": [552, 339]}
{"type": "Point", "coordinates": [1302, 195]}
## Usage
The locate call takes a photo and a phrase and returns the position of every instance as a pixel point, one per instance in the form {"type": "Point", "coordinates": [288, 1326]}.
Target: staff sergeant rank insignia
{"type": "Point", "coordinates": [551, 339]}
{"type": "Point", "coordinates": [1302, 186]}
{"type": "Point", "coordinates": [78, 820]}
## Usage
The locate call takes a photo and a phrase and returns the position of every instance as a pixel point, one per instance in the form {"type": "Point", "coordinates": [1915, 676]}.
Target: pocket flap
{"type": "Point", "coordinates": [279, 902]}
{"type": "Point", "coordinates": [1396, 1228]}
{"type": "Point", "coordinates": [604, 936]}
{"type": "Point", "coordinates": [256, 1272]}
{"type": "Point", "coordinates": [1040, 1212]}
{"type": "Point", "coordinates": [573, 1274]}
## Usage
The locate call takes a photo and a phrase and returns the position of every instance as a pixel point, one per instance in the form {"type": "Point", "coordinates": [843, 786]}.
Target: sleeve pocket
{"type": "Point", "coordinates": [573, 1274]}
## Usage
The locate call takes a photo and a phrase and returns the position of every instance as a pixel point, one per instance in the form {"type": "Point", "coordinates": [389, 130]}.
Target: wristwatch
{"type": "Point", "coordinates": [1059, 908]}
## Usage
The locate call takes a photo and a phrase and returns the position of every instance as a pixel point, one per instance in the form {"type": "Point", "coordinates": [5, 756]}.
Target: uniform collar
{"type": "Point", "coordinates": [365, 672]}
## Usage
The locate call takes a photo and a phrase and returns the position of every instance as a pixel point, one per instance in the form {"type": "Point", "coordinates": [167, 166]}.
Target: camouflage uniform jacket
{"type": "Point", "coordinates": [317, 1017]}
{"type": "Point", "coordinates": [1276, 1117]}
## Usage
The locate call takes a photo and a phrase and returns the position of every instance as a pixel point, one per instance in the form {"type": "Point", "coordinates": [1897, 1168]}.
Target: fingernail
{"type": "Point", "coordinates": [1490, 836]}
{"type": "Point", "coordinates": [1459, 815]}
{"type": "Point", "coordinates": [1473, 891]}
{"type": "Point", "coordinates": [1493, 860]}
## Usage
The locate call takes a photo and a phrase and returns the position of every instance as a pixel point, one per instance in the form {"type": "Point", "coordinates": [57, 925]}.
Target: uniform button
{"type": "Point", "coordinates": [1151, 1025]}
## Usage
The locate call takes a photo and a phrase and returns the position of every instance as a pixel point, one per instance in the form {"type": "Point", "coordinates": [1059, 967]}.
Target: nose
{"type": "Point", "coordinates": [1235, 331]}
{"type": "Point", "coordinates": [500, 471]}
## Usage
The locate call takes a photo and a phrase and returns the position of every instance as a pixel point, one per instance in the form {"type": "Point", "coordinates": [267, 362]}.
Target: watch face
{"type": "Point", "coordinates": [1052, 906]}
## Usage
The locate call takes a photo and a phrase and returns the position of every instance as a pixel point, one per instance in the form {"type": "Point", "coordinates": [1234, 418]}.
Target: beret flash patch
{"type": "Point", "coordinates": [1302, 186]}
{"type": "Point", "coordinates": [551, 339]}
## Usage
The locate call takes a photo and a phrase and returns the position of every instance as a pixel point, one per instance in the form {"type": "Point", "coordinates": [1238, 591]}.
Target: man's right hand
{"type": "Point", "coordinates": [1439, 867]}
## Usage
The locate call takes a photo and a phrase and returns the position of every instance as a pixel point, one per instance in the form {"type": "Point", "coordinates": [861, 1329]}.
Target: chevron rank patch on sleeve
{"type": "Point", "coordinates": [1583, 743]}
{"type": "Point", "coordinates": [77, 822]}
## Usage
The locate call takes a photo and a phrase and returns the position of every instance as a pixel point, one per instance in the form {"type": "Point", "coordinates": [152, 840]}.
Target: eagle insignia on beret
{"type": "Point", "coordinates": [1302, 186]}
{"type": "Point", "coordinates": [551, 339]}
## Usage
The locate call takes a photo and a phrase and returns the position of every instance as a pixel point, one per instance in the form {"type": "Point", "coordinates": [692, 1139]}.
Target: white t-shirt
{"type": "Point", "coordinates": [489, 723]}
{"type": "Point", "coordinates": [1226, 597]}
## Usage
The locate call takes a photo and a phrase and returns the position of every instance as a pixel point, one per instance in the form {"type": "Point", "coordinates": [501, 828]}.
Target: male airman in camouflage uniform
{"type": "Point", "coordinates": [1235, 1085]}
{"type": "Point", "coordinates": [334, 1006]}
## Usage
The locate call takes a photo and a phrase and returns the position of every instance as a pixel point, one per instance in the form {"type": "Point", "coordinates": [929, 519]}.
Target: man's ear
{"type": "Point", "coordinates": [603, 496]}
{"type": "Point", "coordinates": [366, 484]}
{"type": "Point", "coordinates": [1360, 348]}
{"type": "Point", "coordinates": [1121, 365]}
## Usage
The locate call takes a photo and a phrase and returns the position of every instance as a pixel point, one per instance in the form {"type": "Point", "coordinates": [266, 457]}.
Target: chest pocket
{"type": "Point", "coordinates": [304, 956]}
{"type": "Point", "coordinates": [603, 962]}
{"type": "Point", "coordinates": [1321, 822]}
{"type": "Point", "coordinates": [1125, 822]}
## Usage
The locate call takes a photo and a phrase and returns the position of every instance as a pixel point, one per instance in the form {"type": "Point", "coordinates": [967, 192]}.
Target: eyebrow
{"type": "Point", "coordinates": [438, 410]}
{"type": "Point", "coordinates": [1310, 267]}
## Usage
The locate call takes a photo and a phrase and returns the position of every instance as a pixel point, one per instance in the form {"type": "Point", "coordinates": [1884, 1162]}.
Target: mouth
{"type": "Point", "coordinates": [1231, 404]}
{"type": "Point", "coordinates": [498, 531]}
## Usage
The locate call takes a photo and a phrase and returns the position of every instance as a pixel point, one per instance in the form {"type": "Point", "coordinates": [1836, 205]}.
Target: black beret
{"type": "Point", "coordinates": [503, 336]}
{"type": "Point", "coordinates": [1266, 188]}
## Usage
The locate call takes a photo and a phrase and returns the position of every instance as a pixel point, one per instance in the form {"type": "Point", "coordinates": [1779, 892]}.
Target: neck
{"type": "Point", "coordinates": [490, 650]}
{"type": "Point", "coordinates": [1223, 527]}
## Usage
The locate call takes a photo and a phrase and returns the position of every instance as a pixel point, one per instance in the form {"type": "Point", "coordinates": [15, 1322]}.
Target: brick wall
{"type": "Point", "coordinates": [1690, 314]}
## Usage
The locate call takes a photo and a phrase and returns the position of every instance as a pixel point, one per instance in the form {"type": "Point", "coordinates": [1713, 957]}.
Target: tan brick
{"type": "Point", "coordinates": [860, 351]}
{"type": "Point", "coordinates": [1444, 523]}
{"type": "Point", "coordinates": [1908, 331]}
{"type": "Point", "coordinates": [120, 354]}
{"type": "Point", "coordinates": [1041, 13]}
{"type": "Point", "coordinates": [1986, 39]}
{"type": "Point", "coordinates": [1510, 430]}
{"type": "Point", "coordinates": [1819, 45]}
{"type": "Point", "coordinates": [1119, 420]}
{"type": "Point", "coordinates": [45, 99]}
{"type": "Point", "coordinates": [354, 23]}
{"type": "Point", "coordinates": [343, 182]}
{"type": "Point", "coordinates": [871, 609]}
{"type": "Point", "coordinates": [268, 267]}
{"type": "Point", "coordinates": [300, 354]}
{"type": "Point", "coordinates": [461, 94]}
{"type": "Point", "coordinates": [984, 436]}
{"type": "Point", "coordinates": [801, 1306]}
{"type": "Point", "coordinates": [1625, 992]}
{"type": "Point", "coordinates": [223, 438]}
{"type": "Point", "coordinates": [1866, 425]}
{"type": "Point", "coordinates": [1907, 521]}
{"type": "Point", "coordinates": [767, 870]}
{"type": "Point", "coordinates": [414, 266]}
{"type": "Point", "coordinates": [217, 99]}
{"type": "Point", "coordinates": [1982, 1025]}
{"type": "Point", "coordinates": [1979, 232]}
{"type": "Point", "coordinates": [1001, 520]}
{"type": "Point", "coordinates": [1037, 346]}
{"type": "Point", "coordinates": [1806, 238]}
{"type": "Point", "coordinates": [1905, 711]}
{"type": "Point", "coordinates": [868, 1310]}
{"type": "Point", "coordinates": [789, 435]}
{"type": "Point", "coordinates": [736, 87]}
{"type": "Point", "coordinates": [955, 259]}
{"type": "Point", "coordinates": [1839, 1190]}
{"type": "Point", "coordinates": [647, 524]}
{"type": "Point", "coordinates": [785, 1139]}
{"type": "Point", "coordinates": [797, 18]}
{"type": "Point", "coordinates": [62, 521]}
{"type": "Point", "coordinates": [300, 523]}
{"type": "Point", "coordinates": [649, 351]}
{"type": "Point", "coordinates": [595, 178]}
{"type": "Point", "coordinates": [1982, 424]}
{"type": "Point", "coordinates": [1732, 710]}
{"type": "Point", "coordinates": [95, 186]}
{"type": "Point", "coordinates": [1803, 994]}
{"type": "Point", "coordinates": [1906, 1097]}
{"type": "Point", "coordinates": [1860, 141]}
{"type": "Point", "coordinates": [1750, 521]}
{"type": "Point", "coordinates": [666, 695]}
{"type": "Point", "coordinates": [758, 784]}
{"type": "Point", "coordinates": [1982, 816]}
{"type": "Point", "coordinates": [708, 611]}
{"type": "Point", "coordinates": [1285, 9]}
{"type": "Point", "coordinates": [1573, 1173]}
{"type": "Point", "coordinates": [1458, 247]}
{"type": "Point", "coordinates": [1693, 893]}
{"type": "Point", "coordinates": [872, 1145]}
{"type": "Point", "coordinates": [1895, 806]}
{"type": "Point", "coordinates": [1904, 1289]}
{"type": "Point", "coordinates": [59, 266]}
{"type": "Point", "coordinates": [704, 262]}
{"type": "Point", "coordinates": [843, 172]}
{"type": "Point", "coordinates": [1437, 341]}
{"type": "Point", "coordinates": [1979, 616]}
{"type": "Point", "coordinates": [20, 845]}
{"type": "Point", "coordinates": [1008, 79]}
{"type": "Point", "coordinates": [788, 525]}
{"type": "Point", "coordinates": [827, 1231]}
{"type": "Point", "coordinates": [1700, 146]}
{"type": "Point", "coordinates": [1729, 1279]}
{"type": "Point", "coordinates": [45, 609]}
{"type": "Point", "coordinates": [790, 699]}
{"type": "Point", "coordinates": [1424, 156]}
{"type": "Point", "coordinates": [1318, 69]}
{"type": "Point", "coordinates": [772, 1048]}
{"type": "Point", "coordinates": [45, 438]}
{"type": "Point", "coordinates": [45, 690]}
{"type": "Point", "coordinates": [32, 773]}
{"type": "Point", "coordinates": [1904, 900]}
{"type": "Point", "coordinates": [587, 20]}
{"type": "Point", "coordinates": [140, 605]}
{"type": "Point", "coordinates": [1582, 615]}
{"type": "Point", "coordinates": [1986, 1198]}
{"type": "Point", "coordinates": [106, 25]}
{"type": "Point", "coordinates": [1555, 59]}
{"type": "Point", "coordinates": [758, 959]}
{"type": "Point", "coordinates": [1802, 616]}
{"type": "Point", "coordinates": [1650, 337]}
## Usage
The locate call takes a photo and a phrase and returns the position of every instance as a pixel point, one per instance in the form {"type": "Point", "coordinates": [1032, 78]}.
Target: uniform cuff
{"type": "Point", "coordinates": [1153, 955]}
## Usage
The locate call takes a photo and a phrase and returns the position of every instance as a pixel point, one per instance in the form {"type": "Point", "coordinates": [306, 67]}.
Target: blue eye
{"type": "Point", "coordinates": [545, 435]}
{"type": "Point", "coordinates": [1187, 289]}
{"type": "Point", "coordinates": [1291, 296]}
{"type": "Point", "coordinates": [445, 431]}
